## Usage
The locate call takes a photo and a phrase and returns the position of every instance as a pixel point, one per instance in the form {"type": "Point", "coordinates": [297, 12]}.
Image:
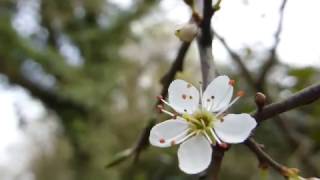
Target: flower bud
{"type": "Point", "coordinates": [187, 32]}
{"type": "Point", "coordinates": [260, 100]}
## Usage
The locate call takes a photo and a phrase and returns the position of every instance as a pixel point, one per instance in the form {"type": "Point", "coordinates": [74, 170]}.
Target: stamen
{"type": "Point", "coordinates": [175, 116]}
{"type": "Point", "coordinates": [225, 95]}
{"type": "Point", "coordinates": [187, 137]}
{"type": "Point", "coordinates": [240, 93]}
{"type": "Point", "coordinates": [227, 107]}
{"type": "Point", "coordinates": [159, 97]}
{"type": "Point", "coordinates": [159, 108]}
{"type": "Point", "coordinates": [193, 120]}
{"type": "Point", "coordinates": [164, 101]}
{"type": "Point", "coordinates": [167, 112]}
{"type": "Point", "coordinates": [173, 139]}
{"type": "Point", "coordinates": [162, 141]}
{"type": "Point", "coordinates": [203, 124]}
{"type": "Point", "coordinates": [207, 136]}
{"type": "Point", "coordinates": [215, 136]}
{"type": "Point", "coordinates": [200, 91]}
{"type": "Point", "coordinates": [232, 82]}
{"type": "Point", "coordinates": [224, 145]}
{"type": "Point", "coordinates": [184, 96]}
{"type": "Point", "coordinates": [211, 103]}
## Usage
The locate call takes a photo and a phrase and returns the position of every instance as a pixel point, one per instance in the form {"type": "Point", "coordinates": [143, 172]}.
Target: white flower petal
{"type": "Point", "coordinates": [235, 128]}
{"type": "Point", "coordinates": [168, 132]}
{"type": "Point", "coordinates": [218, 94]}
{"type": "Point", "coordinates": [183, 97]}
{"type": "Point", "coordinates": [194, 155]}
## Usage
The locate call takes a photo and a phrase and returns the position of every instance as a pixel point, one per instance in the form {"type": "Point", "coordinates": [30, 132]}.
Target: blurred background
{"type": "Point", "coordinates": [78, 81]}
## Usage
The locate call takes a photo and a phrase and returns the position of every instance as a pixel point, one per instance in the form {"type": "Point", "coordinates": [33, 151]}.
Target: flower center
{"type": "Point", "coordinates": [201, 120]}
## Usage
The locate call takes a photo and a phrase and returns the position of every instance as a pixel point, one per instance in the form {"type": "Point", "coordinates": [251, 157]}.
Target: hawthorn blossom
{"type": "Point", "coordinates": [199, 121]}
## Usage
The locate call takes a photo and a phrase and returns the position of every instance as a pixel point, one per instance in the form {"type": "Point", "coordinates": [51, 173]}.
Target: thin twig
{"type": "Point", "coordinates": [272, 59]}
{"type": "Point", "coordinates": [237, 59]}
{"type": "Point", "coordinates": [265, 159]}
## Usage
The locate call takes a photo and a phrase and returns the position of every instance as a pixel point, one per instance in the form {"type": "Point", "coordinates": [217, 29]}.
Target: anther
{"type": "Point", "coordinates": [159, 108]}
{"type": "Point", "coordinates": [159, 97]}
{"type": "Point", "coordinates": [240, 93]}
{"type": "Point", "coordinates": [175, 116]}
{"type": "Point", "coordinates": [190, 97]}
{"type": "Point", "coordinates": [232, 82]}
{"type": "Point", "coordinates": [162, 141]}
{"type": "Point", "coordinates": [184, 96]}
{"type": "Point", "coordinates": [223, 145]}
{"type": "Point", "coordinates": [212, 97]}
{"type": "Point", "coordinates": [185, 110]}
{"type": "Point", "coordinates": [189, 85]}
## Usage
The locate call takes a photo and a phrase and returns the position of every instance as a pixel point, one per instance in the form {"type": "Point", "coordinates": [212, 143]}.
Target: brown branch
{"type": "Point", "coordinates": [272, 59]}
{"type": "Point", "coordinates": [301, 98]}
{"type": "Point", "coordinates": [265, 160]}
{"type": "Point", "coordinates": [205, 44]}
{"type": "Point", "coordinates": [214, 168]}
{"type": "Point", "coordinates": [208, 72]}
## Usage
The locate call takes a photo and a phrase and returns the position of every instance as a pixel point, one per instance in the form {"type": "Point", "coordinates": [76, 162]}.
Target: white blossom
{"type": "Point", "coordinates": [199, 121]}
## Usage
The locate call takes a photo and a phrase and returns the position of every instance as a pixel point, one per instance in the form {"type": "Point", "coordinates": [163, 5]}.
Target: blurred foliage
{"type": "Point", "coordinates": [105, 97]}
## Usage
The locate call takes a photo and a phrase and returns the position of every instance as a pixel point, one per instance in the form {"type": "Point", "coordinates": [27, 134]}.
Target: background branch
{"type": "Point", "coordinates": [237, 59]}
{"type": "Point", "coordinates": [272, 59]}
